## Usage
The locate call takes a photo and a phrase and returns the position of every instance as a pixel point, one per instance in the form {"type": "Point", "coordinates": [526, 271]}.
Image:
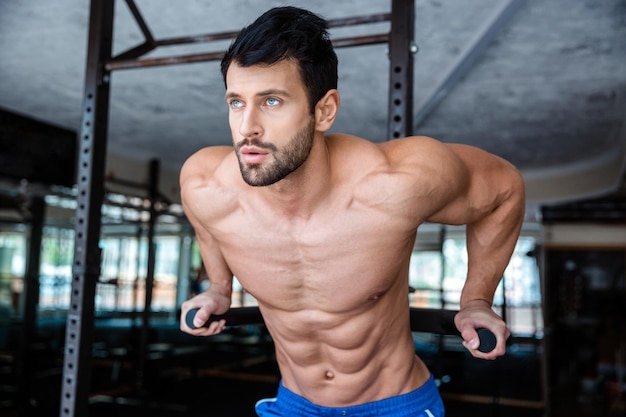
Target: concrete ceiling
{"type": "Point", "coordinates": [540, 82]}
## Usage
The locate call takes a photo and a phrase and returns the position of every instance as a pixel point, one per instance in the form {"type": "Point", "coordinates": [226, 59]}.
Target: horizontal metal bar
{"type": "Point", "coordinates": [209, 37]}
{"type": "Point", "coordinates": [361, 40]}
{"type": "Point", "coordinates": [119, 64]}
{"type": "Point", "coordinates": [437, 321]}
{"type": "Point", "coordinates": [163, 61]}
{"type": "Point", "coordinates": [359, 20]}
{"type": "Point", "coordinates": [432, 320]}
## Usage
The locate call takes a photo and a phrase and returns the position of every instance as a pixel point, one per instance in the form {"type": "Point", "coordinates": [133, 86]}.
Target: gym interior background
{"type": "Point", "coordinates": [101, 102]}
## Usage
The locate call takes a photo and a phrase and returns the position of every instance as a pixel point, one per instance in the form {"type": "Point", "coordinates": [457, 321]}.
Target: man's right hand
{"type": "Point", "coordinates": [207, 303]}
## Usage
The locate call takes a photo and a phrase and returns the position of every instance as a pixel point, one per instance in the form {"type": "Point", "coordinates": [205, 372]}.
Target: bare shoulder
{"type": "Point", "coordinates": [423, 167]}
{"type": "Point", "coordinates": [449, 159]}
{"type": "Point", "coordinates": [202, 165]}
{"type": "Point", "coordinates": [204, 180]}
{"type": "Point", "coordinates": [342, 142]}
{"type": "Point", "coordinates": [412, 150]}
{"type": "Point", "coordinates": [357, 157]}
{"type": "Point", "coordinates": [418, 176]}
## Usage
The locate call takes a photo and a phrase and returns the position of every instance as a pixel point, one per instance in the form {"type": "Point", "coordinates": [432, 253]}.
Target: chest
{"type": "Point", "coordinates": [340, 255]}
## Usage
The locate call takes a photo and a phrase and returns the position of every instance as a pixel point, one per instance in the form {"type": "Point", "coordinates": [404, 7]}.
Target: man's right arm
{"type": "Point", "coordinates": [195, 180]}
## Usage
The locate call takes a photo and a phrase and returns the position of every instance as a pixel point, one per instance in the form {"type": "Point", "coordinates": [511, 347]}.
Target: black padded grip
{"type": "Point", "coordinates": [487, 340]}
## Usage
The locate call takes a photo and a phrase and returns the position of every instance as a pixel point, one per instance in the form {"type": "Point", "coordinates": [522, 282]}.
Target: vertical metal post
{"type": "Point", "coordinates": [401, 50]}
{"type": "Point", "coordinates": [76, 382]}
{"type": "Point", "coordinates": [136, 282]}
{"type": "Point", "coordinates": [184, 268]}
{"type": "Point", "coordinates": [145, 329]}
{"type": "Point", "coordinates": [31, 300]}
{"type": "Point", "coordinates": [548, 329]}
{"type": "Point", "coordinates": [442, 258]}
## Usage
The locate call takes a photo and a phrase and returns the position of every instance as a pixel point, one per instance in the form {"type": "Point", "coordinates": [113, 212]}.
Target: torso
{"type": "Point", "coordinates": [332, 287]}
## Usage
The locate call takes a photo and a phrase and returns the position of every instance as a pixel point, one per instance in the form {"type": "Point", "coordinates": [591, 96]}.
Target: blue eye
{"type": "Point", "coordinates": [272, 101]}
{"type": "Point", "coordinates": [235, 104]}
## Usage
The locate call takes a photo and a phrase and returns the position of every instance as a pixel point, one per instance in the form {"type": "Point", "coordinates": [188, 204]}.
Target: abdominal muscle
{"type": "Point", "coordinates": [333, 291]}
{"type": "Point", "coordinates": [349, 358]}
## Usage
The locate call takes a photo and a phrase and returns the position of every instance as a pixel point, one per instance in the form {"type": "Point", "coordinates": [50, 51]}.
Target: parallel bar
{"type": "Point", "coordinates": [437, 321]}
{"type": "Point", "coordinates": [424, 320]}
{"type": "Point", "coordinates": [430, 320]}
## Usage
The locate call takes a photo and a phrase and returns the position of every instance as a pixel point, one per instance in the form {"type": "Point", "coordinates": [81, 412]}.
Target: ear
{"type": "Point", "coordinates": [326, 110]}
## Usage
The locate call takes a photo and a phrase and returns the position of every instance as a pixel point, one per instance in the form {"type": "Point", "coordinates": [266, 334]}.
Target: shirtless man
{"type": "Point", "coordinates": [319, 228]}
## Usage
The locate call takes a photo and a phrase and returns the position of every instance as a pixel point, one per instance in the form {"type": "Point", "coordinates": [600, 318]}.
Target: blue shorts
{"type": "Point", "coordinates": [423, 402]}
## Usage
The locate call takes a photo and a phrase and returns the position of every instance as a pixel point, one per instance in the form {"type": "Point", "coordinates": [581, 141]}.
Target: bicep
{"type": "Point", "coordinates": [199, 188]}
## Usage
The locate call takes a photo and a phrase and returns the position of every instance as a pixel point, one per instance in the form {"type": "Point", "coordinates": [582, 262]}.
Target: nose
{"type": "Point", "coordinates": [250, 124]}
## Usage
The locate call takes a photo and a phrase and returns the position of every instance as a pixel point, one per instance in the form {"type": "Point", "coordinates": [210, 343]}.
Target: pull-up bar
{"type": "Point", "coordinates": [129, 58]}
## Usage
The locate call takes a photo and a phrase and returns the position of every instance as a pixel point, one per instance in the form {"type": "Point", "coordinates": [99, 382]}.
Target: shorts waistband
{"type": "Point", "coordinates": [419, 399]}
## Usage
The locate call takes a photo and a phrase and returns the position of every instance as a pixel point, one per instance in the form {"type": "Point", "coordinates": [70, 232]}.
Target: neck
{"type": "Point", "coordinates": [300, 192]}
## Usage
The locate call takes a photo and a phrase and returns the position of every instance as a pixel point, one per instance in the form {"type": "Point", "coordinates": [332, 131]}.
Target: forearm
{"type": "Point", "coordinates": [490, 244]}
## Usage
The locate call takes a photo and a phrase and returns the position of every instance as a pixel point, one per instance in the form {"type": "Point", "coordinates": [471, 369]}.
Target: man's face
{"type": "Point", "coordinates": [270, 121]}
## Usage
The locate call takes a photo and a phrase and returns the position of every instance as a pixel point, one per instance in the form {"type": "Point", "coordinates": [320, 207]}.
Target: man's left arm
{"type": "Point", "coordinates": [491, 205]}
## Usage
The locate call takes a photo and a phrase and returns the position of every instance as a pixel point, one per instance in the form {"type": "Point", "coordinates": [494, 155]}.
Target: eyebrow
{"type": "Point", "coordinates": [264, 93]}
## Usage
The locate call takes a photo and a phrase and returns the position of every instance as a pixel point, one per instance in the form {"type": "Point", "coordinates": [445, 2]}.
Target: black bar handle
{"type": "Point", "coordinates": [425, 320]}
{"type": "Point", "coordinates": [234, 317]}
{"type": "Point", "coordinates": [487, 340]}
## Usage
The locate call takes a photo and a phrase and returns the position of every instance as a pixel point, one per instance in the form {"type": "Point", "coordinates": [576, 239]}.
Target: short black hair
{"type": "Point", "coordinates": [289, 33]}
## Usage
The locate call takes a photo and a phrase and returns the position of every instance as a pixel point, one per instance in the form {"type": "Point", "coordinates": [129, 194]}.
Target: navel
{"type": "Point", "coordinates": [329, 375]}
{"type": "Point", "coordinates": [376, 296]}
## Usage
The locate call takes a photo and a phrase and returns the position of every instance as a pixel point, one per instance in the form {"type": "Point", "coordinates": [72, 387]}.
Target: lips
{"type": "Point", "coordinates": [253, 154]}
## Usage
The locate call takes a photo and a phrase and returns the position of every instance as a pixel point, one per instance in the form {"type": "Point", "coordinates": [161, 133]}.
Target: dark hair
{"type": "Point", "coordinates": [288, 33]}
